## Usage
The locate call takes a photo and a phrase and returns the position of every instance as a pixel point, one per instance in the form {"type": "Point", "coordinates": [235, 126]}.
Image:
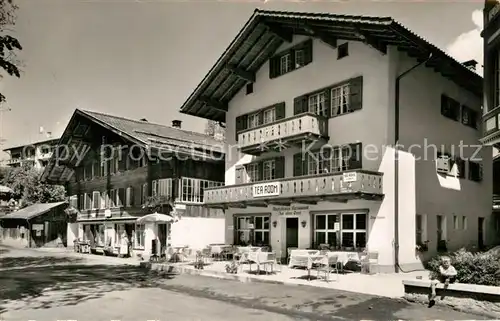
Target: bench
{"type": "Point", "coordinates": [457, 290]}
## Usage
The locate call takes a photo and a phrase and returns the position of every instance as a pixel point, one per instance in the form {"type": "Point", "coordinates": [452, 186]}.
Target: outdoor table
{"type": "Point", "coordinates": [218, 249]}
{"type": "Point", "coordinates": [257, 257]}
{"type": "Point", "coordinates": [308, 261]}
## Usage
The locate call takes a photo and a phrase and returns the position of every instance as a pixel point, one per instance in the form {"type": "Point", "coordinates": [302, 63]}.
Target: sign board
{"type": "Point", "coordinates": [336, 226]}
{"type": "Point", "coordinates": [290, 210]}
{"type": "Point", "coordinates": [350, 177]}
{"type": "Point", "coordinates": [107, 212]}
{"type": "Point", "coordinates": [250, 226]}
{"type": "Point", "coordinates": [266, 189]}
{"type": "Point", "coordinates": [37, 227]}
{"type": "Point", "coordinates": [178, 206]}
{"type": "Point", "coordinates": [230, 228]}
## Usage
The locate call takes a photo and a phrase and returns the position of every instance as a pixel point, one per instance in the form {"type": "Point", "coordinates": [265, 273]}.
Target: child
{"type": "Point", "coordinates": [447, 274]}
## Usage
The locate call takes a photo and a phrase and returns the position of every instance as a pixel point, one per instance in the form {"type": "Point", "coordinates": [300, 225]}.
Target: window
{"type": "Point", "coordinates": [269, 115]}
{"type": "Point", "coordinates": [299, 58]}
{"type": "Point", "coordinates": [317, 104]}
{"type": "Point", "coordinates": [337, 159]}
{"type": "Point", "coordinates": [441, 228]}
{"type": "Point", "coordinates": [455, 222]}
{"type": "Point", "coordinates": [349, 232]}
{"type": "Point", "coordinates": [253, 120]}
{"type": "Point", "coordinates": [464, 222]}
{"type": "Point", "coordinates": [450, 108]}
{"type": "Point", "coordinates": [154, 188]}
{"type": "Point", "coordinates": [285, 64]}
{"type": "Point", "coordinates": [316, 164]}
{"type": "Point", "coordinates": [96, 200]}
{"type": "Point", "coordinates": [105, 200]}
{"type": "Point", "coordinates": [469, 117]}
{"type": "Point", "coordinates": [112, 198]}
{"type": "Point", "coordinates": [162, 187]}
{"type": "Point", "coordinates": [254, 230]}
{"type": "Point", "coordinates": [419, 229]}
{"type": "Point", "coordinates": [191, 189]}
{"type": "Point", "coordinates": [269, 169]}
{"type": "Point", "coordinates": [343, 50]}
{"type": "Point", "coordinates": [496, 80]}
{"type": "Point", "coordinates": [81, 205]}
{"type": "Point", "coordinates": [140, 236]}
{"type": "Point", "coordinates": [253, 172]}
{"type": "Point", "coordinates": [491, 124]}
{"type": "Point", "coordinates": [475, 171]}
{"type": "Point", "coordinates": [249, 88]}
{"type": "Point", "coordinates": [340, 100]}
{"type": "Point", "coordinates": [456, 164]}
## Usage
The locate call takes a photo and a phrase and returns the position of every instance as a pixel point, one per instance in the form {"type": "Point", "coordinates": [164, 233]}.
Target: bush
{"type": "Point", "coordinates": [473, 268]}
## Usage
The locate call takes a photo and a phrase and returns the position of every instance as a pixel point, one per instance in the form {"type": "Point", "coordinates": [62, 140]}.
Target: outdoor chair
{"type": "Point", "coordinates": [370, 260]}
{"type": "Point", "coordinates": [206, 254]}
{"type": "Point", "coordinates": [289, 252]}
{"type": "Point", "coordinates": [329, 267]}
{"type": "Point", "coordinates": [271, 261]}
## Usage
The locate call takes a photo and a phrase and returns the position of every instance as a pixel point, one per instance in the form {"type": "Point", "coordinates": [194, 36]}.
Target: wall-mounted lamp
{"type": "Point", "coordinates": [275, 223]}
{"type": "Point", "coordinates": [304, 223]}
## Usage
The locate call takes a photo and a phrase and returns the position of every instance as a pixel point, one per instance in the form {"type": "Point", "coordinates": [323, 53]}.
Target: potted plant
{"type": "Point", "coordinates": [422, 247]}
{"type": "Point", "coordinates": [159, 204]}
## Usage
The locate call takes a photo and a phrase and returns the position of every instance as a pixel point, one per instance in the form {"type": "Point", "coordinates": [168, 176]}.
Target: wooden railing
{"type": "Point", "coordinates": [304, 186]}
{"type": "Point", "coordinates": [297, 125]}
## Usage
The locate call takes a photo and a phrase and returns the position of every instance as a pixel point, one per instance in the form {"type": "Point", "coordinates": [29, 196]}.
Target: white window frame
{"type": "Point", "coordinates": [254, 230]}
{"type": "Point", "coordinates": [285, 63]}
{"type": "Point", "coordinates": [191, 189]}
{"type": "Point", "coordinates": [128, 197]}
{"type": "Point", "coordinates": [269, 115]}
{"type": "Point", "coordinates": [316, 104]}
{"type": "Point", "coordinates": [253, 172]}
{"type": "Point", "coordinates": [455, 222]}
{"type": "Point", "coordinates": [464, 222]}
{"type": "Point", "coordinates": [262, 230]}
{"type": "Point", "coordinates": [300, 58]}
{"type": "Point", "coordinates": [269, 169]}
{"type": "Point", "coordinates": [340, 100]}
{"type": "Point", "coordinates": [443, 227]}
{"type": "Point", "coordinates": [341, 230]}
{"type": "Point", "coordinates": [423, 228]}
{"type": "Point", "coordinates": [154, 188]}
{"type": "Point", "coordinates": [326, 230]}
{"type": "Point", "coordinates": [73, 201]}
{"type": "Point", "coordinates": [104, 200]}
{"type": "Point", "coordinates": [96, 195]}
{"type": "Point", "coordinates": [140, 236]}
{"type": "Point", "coordinates": [253, 120]}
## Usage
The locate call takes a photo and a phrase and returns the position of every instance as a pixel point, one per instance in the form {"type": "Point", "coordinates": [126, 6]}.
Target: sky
{"type": "Point", "coordinates": [142, 59]}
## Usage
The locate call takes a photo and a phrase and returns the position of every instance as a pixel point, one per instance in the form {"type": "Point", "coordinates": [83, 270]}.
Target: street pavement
{"type": "Point", "coordinates": [43, 286]}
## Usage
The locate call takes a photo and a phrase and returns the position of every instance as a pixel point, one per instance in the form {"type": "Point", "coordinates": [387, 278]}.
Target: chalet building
{"type": "Point", "coordinates": [314, 105]}
{"type": "Point", "coordinates": [111, 165]}
{"type": "Point", "coordinates": [36, 154]}
{"type": "Point", "coordinates": [491, 51]}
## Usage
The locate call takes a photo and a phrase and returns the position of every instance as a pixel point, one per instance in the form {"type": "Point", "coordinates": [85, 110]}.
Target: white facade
{"type": "Point", "coordinates": [422, 191]}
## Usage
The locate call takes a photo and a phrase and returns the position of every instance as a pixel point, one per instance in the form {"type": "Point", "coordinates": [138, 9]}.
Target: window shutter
{"type": "Point", "coordinates": [132, 196]}
{"type": "Point", "coordinates": [240, 174]}
{"type": "Point", "coordinates": [299, 164]}
{"type": "Point", "coordinates": [122, 162]}
{"type": "Point", "coordinates": [280, 111]}
{"type": "Point", "coordinates": [356, 93]}
{"type": "Point", "coordinates": [273, 71]}
{"type": "Point", "coordinates": [241, 124]}
{"type": "Point", "coordinates": [279, 164]}
{"type": "Point", "coordinates": [121, 197]}
{"type": "Point", "coordinates": [460, 167]}
{"type": "Point", "coordinates": [291, 62]}
{"type": "Point", "coordinates": [308, 52]}
{"type": "Point", "coordinates": [355, 157]}
{"type": "Point", "coordinates": [300, 105]}
{"type": "Point", "coordinates": [260, 169]}
{"type": "Point", "coordinates": [327, 95]}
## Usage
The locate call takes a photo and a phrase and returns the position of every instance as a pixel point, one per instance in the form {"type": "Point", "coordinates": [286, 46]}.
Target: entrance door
{"type": "Point", "coordinates": [162, 237]}
{"type": "Point", "coordinates": [292, 232]}
{"type": "Point", "coordinates": [480, 232]}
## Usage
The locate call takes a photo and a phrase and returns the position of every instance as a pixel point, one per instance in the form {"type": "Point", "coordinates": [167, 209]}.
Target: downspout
{"type": "Point", "coordinates": [397, 268]}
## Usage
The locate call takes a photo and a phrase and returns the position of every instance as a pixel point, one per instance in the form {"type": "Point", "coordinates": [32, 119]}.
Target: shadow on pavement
{"type": "Point", "coordinates": [45, 282]}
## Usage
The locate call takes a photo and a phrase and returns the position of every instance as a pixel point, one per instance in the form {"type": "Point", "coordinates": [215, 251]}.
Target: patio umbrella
{"type": "Point", "coordinates": [155, 218]}
{"type": "Point", "coordinates": [5, 189]}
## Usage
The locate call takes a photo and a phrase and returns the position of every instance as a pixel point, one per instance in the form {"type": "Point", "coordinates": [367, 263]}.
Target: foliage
{"type": "Point", "coordinates": [474, 268]}
{"type": "Point", "coordinates": [157, 203]}
{"type": "Point", "coordinates": [214, 129]}
{"type": "Point", "coordinates": [8, 44]}
{"type": "Point", "coordinates": [27, 187]}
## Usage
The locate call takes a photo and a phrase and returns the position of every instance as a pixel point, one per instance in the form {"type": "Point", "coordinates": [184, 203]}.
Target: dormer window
{"type": "Point", "coordinates": [293, 58]}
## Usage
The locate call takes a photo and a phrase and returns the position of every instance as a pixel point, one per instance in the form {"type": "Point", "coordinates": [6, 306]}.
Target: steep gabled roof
{"type": "Point", "coordinates": [145, 134]}
{"type": "Point", "coordinates": [51, 141]}
{"type": "Point", "coordinates": [265, 31]}
{"type": "Point", "coordinates": [32, 211]}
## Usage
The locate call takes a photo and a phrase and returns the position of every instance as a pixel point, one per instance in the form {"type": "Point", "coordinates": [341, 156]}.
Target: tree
{"type": "Point", "coordinates": [27, 187]}
{"type": "Point", "coordinates": [8, 44]}
{"type": "Point", "coordinates": [214, 129]}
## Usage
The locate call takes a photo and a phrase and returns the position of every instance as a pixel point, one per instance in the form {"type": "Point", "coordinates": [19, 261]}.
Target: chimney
{"type": "Point", "coordinates": [176, 123]}
{"type": "Point", "coordinates": [471, 64]}
{"type": "Point", "coordinates": [144, 120]}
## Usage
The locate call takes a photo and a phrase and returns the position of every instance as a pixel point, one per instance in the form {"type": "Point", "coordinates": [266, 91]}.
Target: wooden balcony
{"type": "Point", "coordinates": [491, 127]}
{"type": "Point", "coordinates": [335, 187]}
{"type": "Point", "coordinates": [283, 134]}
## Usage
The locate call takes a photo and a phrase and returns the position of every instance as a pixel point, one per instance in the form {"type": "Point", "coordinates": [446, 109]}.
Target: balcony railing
{"type": "Point", "coordinates": [283, 133]}
{"type": "Point", "coordinates": [491, 127]}
{"type": "Point", "coordinates": [343, 186]}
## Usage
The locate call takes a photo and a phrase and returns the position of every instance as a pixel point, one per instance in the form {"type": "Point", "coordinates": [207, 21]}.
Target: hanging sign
{"type": "Point", "coordinates": [37, 227]}
{"type": "Point", "coordinates": [350, 177]}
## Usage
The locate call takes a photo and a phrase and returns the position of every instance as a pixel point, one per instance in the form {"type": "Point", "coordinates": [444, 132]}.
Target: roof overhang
{"type": "Point", "coordinates": [266, 31]}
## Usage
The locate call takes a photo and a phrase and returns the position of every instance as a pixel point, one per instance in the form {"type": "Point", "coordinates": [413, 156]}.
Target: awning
{"type": "Point", "coordinates": [155, 218]}
{"type": "Point", "coordinates": [32, 211]}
